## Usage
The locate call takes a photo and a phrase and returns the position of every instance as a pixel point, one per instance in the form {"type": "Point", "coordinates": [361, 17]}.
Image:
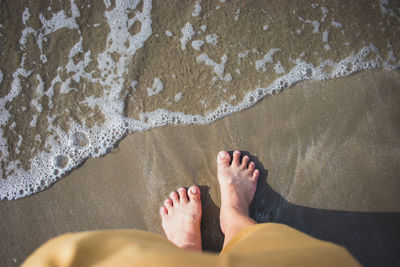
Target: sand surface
{"type": "Point", "coordinates": [329, 155]}
{"type": "Point", "coordinates": [76, 75]}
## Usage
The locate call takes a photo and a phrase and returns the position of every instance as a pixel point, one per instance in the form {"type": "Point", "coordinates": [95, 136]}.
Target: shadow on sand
{"type": "Point", "coordinates": [373, 238]}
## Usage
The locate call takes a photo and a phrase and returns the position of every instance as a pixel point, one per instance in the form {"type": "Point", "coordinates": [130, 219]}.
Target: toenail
{"type": "Point", "coordinates": [223, 154]}
{"type": "Point", "coordinates": [193, 190]}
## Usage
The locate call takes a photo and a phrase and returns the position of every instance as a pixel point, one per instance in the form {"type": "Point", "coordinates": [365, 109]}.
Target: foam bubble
{"type": "Point", "coordinates": [212, 39]}
{"type": "Point", "coordinates": [279, 68]}
{"type": "Point", "coordinates": [327, 47]}
{"type": "Point", "coordinates": [197, 9]}
{"type": "Point", "coordinates": [61, 161]}
{"type": "Point", "coordinates": [80, 140]}
{"type": "Point", "coordinates": [219, 68]}
{"type": "Point", "coordinates": [178, 97]}
{"type": "Point", "coordinates": [336, 24]}
{"type": "Point", "coordinates": [325, 36]}
{"type": "Point", "coordinates": [260, 64]}
{"type": "Point", "coordinates": [157, 87]}
{"type": "Point", "coordinates": [197, 44]}
{"type": "Point", "coordinates": [237, 14]}
{"type": "Point", "coordinates": [316, 26]}
{"type": "Point", "coordinates": [188, 33]}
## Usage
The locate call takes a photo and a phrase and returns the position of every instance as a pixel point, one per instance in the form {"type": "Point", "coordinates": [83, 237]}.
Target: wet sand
{"type": "Point", "coordinates": [329, 156]}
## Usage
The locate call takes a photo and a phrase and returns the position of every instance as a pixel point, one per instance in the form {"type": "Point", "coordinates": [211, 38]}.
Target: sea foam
{"type": "Point", "coordinates": [67, 149]}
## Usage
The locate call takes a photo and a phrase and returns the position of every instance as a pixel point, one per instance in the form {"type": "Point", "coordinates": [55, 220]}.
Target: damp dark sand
{"type": "Point", "coordinates": [329, 156]}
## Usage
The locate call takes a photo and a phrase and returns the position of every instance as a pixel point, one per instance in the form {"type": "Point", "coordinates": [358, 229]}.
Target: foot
{"type": "Point", "coordinates": [181, 218]}
{"type": "Point", "coordinates": [238, 182]}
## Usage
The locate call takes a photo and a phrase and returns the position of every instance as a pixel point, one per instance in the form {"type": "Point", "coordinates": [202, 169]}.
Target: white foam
{"type": "Point", "coordinates": [327, 47]}
{"type": "Point", "coordinates": [197, 9]}
{"type": "Point", "coordinates": [383, 5]}
{"type": "Point", "coordinates": [47, 167]}
{"type": "Point", "coordinates": [107, 3]}
{"type": "Point", "coordinates": [316, 26]}
{"type": "Point", "coordinates": [265, 27]}
{"type": "Point", "coordinates": [228, 77]}
{"type": "Point", "coordinates": [324, 11]}
{"type": "Point", "coordinates": [187, 34]}
{"type": "Point", "coordinates": [279, 68]}
{"type": "Point", "coordinates": [168, 33]}
{"type": "Point", "coordinates": [178, 97]}
{"type": "Point", "coordinates": [336, 24]}
{"type": "Point", "coordinates": [1, 76]}
{"type": "Point", "coordinates": [197, 44]}
{"type": "Point", "coordinates": [325, 36]}
{"type": "Point", "coordinates": [19, 143]}
{"type": "Point", "coordinates": [157, 87]}
{"type": "Point", "coordinates": [218, 68]}
{"type": "Point", "coordinates": [260, 64]}
{"type": "Point", "coordinates": [244, 54]}
{"type": "Point", "coordinates": [59, 21]}
{"type": "Point", "coordinates": [25, 15]}
{"type": "Point", "coordinates": [69, 149]}
{"type": "Point", "coordinates": [212, 39]}
{"type": "Point", "coordinates": [133, 85]}
{"type": "Point", "coordinates": [33, 121]}
{"type": "Point", "coordinates": [237, 14]}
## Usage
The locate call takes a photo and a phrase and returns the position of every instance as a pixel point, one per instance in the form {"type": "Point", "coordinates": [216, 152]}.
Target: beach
{"type": "Point", "coordinates": [99, 123]}
{"type": "Point", "coordinates": [310, 153]}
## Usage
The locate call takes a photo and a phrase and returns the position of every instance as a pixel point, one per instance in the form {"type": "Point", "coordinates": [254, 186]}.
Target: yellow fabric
{"type": "Point", "coordinates": [259, 245]}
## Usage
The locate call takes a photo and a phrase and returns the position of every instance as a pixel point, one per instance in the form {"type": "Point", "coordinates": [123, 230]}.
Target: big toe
{"type": "Point", "coordinates": [224, 159]}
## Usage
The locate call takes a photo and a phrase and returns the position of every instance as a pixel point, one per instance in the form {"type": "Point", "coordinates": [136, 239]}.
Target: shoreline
{"type": "Point", "coordinates": [320, 145]}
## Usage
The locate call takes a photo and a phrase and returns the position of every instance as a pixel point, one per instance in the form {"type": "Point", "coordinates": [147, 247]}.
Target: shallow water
{"type": "Point", "coordinates": [76, 76]}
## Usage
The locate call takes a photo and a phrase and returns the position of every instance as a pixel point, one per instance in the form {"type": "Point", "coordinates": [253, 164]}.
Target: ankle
{"type": "Point", "coordinates": [235, 225]}
{"type": "Point", "coordinates": [235, 210]}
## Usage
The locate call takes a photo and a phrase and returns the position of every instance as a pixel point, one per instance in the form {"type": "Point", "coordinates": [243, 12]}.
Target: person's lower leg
{"type": "Point", "coordinates": [238, 182]}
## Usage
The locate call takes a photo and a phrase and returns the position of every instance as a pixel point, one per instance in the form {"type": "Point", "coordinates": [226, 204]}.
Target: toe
{"type": "Point", "coordinates": [252, 166]}
{"type": "Point", "coordinates": [255, 175]}
{"type": "Point", "coordinates": [224, 159]}
{"type": "Point", "coordinates": [194, 194]}
{"type": "Point", "coordinates": [236, 158]}
{"type": "Point", "coordinates": [182, 195]}
{"type": "Point", "coordinates": [245, 161]}
{"type": "Point", "coordinates": [163, 211]}
{"type": "Point", "coordinates": [175, 198]}
{"type": "Point", "coordinates": [168, 203]}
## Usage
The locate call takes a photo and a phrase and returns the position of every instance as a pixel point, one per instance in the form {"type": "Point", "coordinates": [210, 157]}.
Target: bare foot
{"type": "Point", "coordinates": [181, 218]}
{"type": "Point", "coordinates": [238, 182]}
